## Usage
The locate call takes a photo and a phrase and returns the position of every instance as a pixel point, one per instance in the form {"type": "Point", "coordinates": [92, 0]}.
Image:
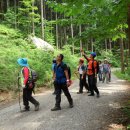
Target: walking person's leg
{"type": "Point", "coordinates": [80, 85]}
{"type": "Point", "coordinates": [58, 98]}
{"type": "Point", "coordinates": [95, 86]}
{"type": "Point", "coordinates": [33, 100]}
{"type": "Point", "coordinates": [67, 94]}
{"type": "Point", "coordinates": [25, 99]}
{"type": "Point", "coordinates": [85, 84]}
{"type": "Point", "coordinates": [90, 81]}
{"type": "Point", "coordinates": [103, 77]}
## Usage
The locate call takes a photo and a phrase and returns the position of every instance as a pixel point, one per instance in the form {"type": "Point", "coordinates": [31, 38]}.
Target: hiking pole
{"type": "Point", "coordinates": [19, 92]}
{"type": "Point", "coordinates": [76, 75]}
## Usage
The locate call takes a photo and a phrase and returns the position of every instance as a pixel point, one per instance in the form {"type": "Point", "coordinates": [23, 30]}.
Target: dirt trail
{"type": "Point", "coordinates": [89, 113]}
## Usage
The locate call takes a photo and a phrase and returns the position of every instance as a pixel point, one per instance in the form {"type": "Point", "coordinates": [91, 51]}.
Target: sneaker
{"type": "Point", "coordinates": [91, 95]}
{"type": "Point", "coordinates": [37, 107]}
{"type": "Point", "coordinates": [56, 108]}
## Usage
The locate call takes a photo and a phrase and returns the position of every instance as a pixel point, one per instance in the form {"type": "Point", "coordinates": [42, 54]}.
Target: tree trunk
{"type": "Point", "coordinates": [80, 31]}
{"type": "Point", "coordinates": [106, 45]}
{"type": "Point", "coordinates": [42, 24]}
{"type": "Point", "coordinates": [7, 2]}
{"type": "Point", "coordinates": [33, 26]}
{"type": "Point", "coordinates": [72, 34]}
{"type": "Point", "coordinates": [128, 21]}
{"type": "Point", "coordinates": [15, 10]}
{"type": "Point", "coordinates": [91, 41]}
{"type": "Point", "coordinates": [110, 44]}
{"type": "Point", "coordinates": [44, 8]}
{"type": "Point", "coordinates": [122, 55]}
{"type": "Point", "coordinates": [57, 43]}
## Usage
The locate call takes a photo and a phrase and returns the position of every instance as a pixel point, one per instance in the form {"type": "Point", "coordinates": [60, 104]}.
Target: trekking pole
{"type": "Point", "coordinates": [76, 75]}
{"type": "Point", "coordinates": [19, 92]}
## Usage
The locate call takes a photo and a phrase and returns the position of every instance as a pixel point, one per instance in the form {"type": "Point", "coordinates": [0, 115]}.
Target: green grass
{"type": "Point", "coordinates": [13, 46]}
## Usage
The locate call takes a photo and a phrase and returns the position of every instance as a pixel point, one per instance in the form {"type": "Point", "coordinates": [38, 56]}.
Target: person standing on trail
{"type": "Point", "coordinates": [27, 87]}
{"type": "Point", "coordinates": [82, 76]}
{"type": "Point", "coordinates": [92, 73]}
{"type": "Point", "coordinates": [105, 71]}
{"type": "Point", "coordinates": [62, 81]}
{"type": "Point", "coordinates": [100, 71]}
{"type": "Point", "coordinates": [53, 64]}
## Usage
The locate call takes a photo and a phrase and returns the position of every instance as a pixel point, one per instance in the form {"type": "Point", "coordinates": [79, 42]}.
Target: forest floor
{"type": "Point", "coordinates": [89, 113]}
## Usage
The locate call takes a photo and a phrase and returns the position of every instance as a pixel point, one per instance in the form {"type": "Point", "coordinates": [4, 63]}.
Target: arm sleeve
{"type": "Point", "coordinates": [88, 59]}
{"type": "Point", "coordinates": [95, 66]}
{"type": "Point", "coordinates": [26, 75]}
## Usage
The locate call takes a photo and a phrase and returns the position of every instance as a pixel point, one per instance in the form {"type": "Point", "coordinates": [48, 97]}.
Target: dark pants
{"type": "Point", "coordinates": [64, 88]}
{"type": "Point", "coordinates": [27, 96]}
{"type": "Point", "coordinates": [100, 75]}
{"type": "Point", "coordinates": [83, 83]}
{"type": "Point", "coordinates": [92, 84]}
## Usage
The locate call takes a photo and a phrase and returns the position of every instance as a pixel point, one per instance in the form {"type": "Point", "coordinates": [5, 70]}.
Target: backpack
{"type": "Point", "coordinates": [68, 68]}
{"type": "Point", "coordinates": [34, 75]}
{"type": "Point", "coordinates": [93, 69]}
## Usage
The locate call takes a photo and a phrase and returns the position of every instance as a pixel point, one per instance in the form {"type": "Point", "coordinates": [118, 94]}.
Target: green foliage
{"type": "Point", "coordinates": [13, 47]}
{"type": "Point", "coordinates": [110, 57]}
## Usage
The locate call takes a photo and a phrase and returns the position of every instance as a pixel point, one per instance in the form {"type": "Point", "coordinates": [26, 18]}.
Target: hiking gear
{"type": "Point", "coordinates": [34, 76]}
{"type": "Point", "coordinates": [60, 75]}
{"type": "Point", "coordinates": [79, 92]}
{"type": "Point", "coordinates": [31, 78]}
{"type": "Point", "coordinates": [98, 95]}
{"type": "Point", "coordinates": [93, 69]}
{"type": "Point", "coordinates": [22, 62]}
{"type": "Point", "coordinates": [56, 108]}
{"type": "Point", "coordinates": [93, 54]}
{"type": "Point", "coordinates": [91, 95]}
{"type": "Point", "coordinates": [37, 107]}
{"type": "Point", "coordinates": [71, 104]}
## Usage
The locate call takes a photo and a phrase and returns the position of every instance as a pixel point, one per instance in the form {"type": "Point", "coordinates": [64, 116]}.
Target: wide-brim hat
{"type": "Point", "coordinates": [23, 62]}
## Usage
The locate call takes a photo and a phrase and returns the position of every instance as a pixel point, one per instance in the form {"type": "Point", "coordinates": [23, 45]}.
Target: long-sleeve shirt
{"type": "Point", "coordinates": [92, 66]}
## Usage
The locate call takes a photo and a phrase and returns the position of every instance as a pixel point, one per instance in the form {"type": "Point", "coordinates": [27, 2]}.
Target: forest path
{"type": "Point", "coordinates": [89, 113]}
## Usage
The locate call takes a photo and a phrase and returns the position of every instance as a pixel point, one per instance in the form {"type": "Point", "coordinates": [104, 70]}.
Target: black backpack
{"type": "Point", "coordinates": [97, 67]}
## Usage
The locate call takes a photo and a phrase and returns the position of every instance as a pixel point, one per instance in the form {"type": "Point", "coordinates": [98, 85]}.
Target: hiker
{"type": "Point", "coordinates": [82, 76]}
{"type": "Point", "coordinates": [62, 81]}
{"type": "Point", "coordinates": [26, 86]}
{"type": "Point", "coordinates": [53, 64]}
{"type": "Point", "coordinates": [100, 70]}
{"type": "Point", "coordinates": [92, 73]}
{"type": "Point", "coordinates": [105, 71]}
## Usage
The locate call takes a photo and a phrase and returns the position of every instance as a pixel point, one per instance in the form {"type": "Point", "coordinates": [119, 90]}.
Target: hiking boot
{"type": "Point", "coordinates": [25, 109]}
{"type": "Point", "coordinates": [71, 105]}
{"type": "Point", "coordinates": [37, 107]}
{"type": "Point", "coordinates": [98, 95]}
{"type": "Point", "coordinates": [91, 95]}
{"type": "Point", "coordinates": [56, 108]}
{"type": "Point", "coordinates": [79, 92]}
